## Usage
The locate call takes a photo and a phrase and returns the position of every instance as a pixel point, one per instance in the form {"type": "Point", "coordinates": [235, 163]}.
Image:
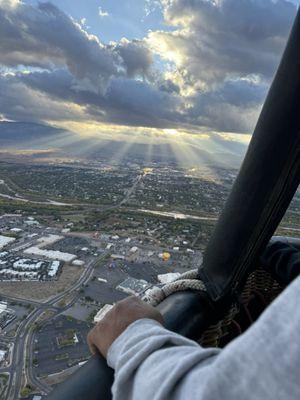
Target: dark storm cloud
{"type": "Point", "coordinates": [220, 57]}
{"type": "Point", "coordinates": [137, 103]}
{"type": "Point", "coordinates": [136, 56]}
{"type": "Point", "coordinates": [20, 103]}
{"type": "Point", "coordinates": [126, 101]}
{"type": "Point", "coordinates": [233, 106]}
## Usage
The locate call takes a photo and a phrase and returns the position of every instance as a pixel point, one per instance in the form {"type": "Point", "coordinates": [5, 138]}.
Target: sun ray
{"type": "Point", "coordinates": [120, 155]}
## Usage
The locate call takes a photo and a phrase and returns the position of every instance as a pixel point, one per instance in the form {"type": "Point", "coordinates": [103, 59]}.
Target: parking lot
{"type": "Point", "coordinates": [54, 348]}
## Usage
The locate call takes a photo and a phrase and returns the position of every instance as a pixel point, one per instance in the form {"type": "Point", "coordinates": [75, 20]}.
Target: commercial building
{"type": "Point", "coordinates": [51, 254]}
{"type": "Point", "coordinates": [2, 355]}
{"type": "Point", "coordinates": [169, 277]}
{"type": "Point", "coordinates": [5, 240]}
{"type": "Point", "coordinates": [6, 315]}
{"type": "Point", "coordinates": [133, 286]}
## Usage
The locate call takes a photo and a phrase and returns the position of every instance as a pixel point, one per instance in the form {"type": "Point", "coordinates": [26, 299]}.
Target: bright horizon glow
{"type": "Point", "coordinates": [142, 134]}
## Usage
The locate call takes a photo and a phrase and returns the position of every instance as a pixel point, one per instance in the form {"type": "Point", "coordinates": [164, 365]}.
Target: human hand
{"type": "Point", "coordinates": [124, 313]}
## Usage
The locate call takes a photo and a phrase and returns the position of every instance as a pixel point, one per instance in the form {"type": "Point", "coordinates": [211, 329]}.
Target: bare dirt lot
{"type": "Point", "coordinates": [42, 290]}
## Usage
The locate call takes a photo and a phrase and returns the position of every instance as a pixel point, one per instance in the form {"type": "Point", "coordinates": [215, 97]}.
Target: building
{"type": "Point", "coordinates": [133, 286]}
{"type": "Point", "coordinates": [54, 268]}
{"type": "Point", "coordinates": [167, 278]}
{"type": "Point", "coordinates": [101, 313]}
{"type": "Point", "coordinates": [190, 251]}
{"type": "Point", "coordinates": [3, 307]}
{"type": "Point", "coordinates": [51, 254]}
{"type": "Point", "coordinates": [5, 240]}
{"type": "Point", "coordinates": [13, 267]}
{"type": "Point", "coordinates": [49, 239]}
{"type": "Point", "coordinates": [78, 263]}
{"type": "Point", "coordinates": [2, 355]}
{"type": "Point", "coordinates": [31, 222]}
{"type": "Point", "coordinates": [117, 257]}
{"type": "Point", "coordinates": [6, 315]}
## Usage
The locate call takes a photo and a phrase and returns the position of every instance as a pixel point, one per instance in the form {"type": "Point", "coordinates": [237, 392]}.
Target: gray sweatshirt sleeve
{"type": "Point", "coordinates": [152, 363]}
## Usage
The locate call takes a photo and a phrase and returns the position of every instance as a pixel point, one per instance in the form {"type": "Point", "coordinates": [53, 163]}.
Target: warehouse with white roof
{"type": "Point", "coordinates": [5, 240]}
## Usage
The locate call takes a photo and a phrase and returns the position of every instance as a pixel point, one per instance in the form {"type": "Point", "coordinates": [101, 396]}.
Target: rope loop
{"type": "Point", "coordinates": [186, 281]}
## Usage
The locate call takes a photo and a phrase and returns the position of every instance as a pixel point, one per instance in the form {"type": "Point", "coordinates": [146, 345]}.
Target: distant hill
{"type": "Point", "coordinates": [34, 136]}
{"type": "Point", "coordinates": [21, 132]}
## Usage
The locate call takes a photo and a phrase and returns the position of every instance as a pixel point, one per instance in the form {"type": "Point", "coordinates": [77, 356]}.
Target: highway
{"type": "Point", "coordinates": [23, 348]}
{"type": "Point", "coordinates": [131, 190]}
{"type": "Point", "coordinates": [91, 206]}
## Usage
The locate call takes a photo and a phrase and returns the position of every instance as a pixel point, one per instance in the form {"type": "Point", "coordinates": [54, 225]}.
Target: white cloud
{"type": "Point", "coordinates": [45, 37]}
{"type": "Point", "coordinates": [83, 22]}
{"type": "Point", "coordinates": [216, 40]}
{"type": "Point", "coordinates": [102, 13]}
{"type": "Point", "coordinates": [218, 61]}
{"type": "Point", "coordinates": [10, 3]}
{"type": "Point", "coordinates": [152, 5]}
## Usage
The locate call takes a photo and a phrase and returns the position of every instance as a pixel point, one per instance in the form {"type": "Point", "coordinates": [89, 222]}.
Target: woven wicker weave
{"type": "Point", "coordinates": [259, 291]}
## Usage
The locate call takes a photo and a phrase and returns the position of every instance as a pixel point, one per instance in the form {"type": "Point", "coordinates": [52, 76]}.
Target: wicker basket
{"type": "Point", "coordinates": [259, 291]}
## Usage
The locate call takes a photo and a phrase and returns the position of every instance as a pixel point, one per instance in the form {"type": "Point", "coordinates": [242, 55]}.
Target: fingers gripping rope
{"type": "Point", "coordinates": [154, 296]}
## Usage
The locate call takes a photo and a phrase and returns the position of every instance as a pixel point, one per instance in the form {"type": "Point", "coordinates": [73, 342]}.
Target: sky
{"type": "Point", "coordinates": [146, 70]}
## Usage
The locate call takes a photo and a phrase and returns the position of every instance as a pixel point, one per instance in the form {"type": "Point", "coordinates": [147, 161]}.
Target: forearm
{"type": "Point", "coordinates": [149, 360]}
{"type": "Point", "coordinates": [152, 363]}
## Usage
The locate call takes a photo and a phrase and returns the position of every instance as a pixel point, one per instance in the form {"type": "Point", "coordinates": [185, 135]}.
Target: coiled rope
{"type": "Point", "coordinates": [186, 281]}
{"type": "Point", "coordinates": [154, 296]}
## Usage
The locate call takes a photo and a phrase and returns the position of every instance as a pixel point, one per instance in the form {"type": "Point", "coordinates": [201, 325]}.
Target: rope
{"type": "Point", "coordinates": [186, 281]}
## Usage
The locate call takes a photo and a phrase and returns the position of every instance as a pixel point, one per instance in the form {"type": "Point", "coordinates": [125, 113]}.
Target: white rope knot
{"type": "Point", "coordinates": [186, 281]}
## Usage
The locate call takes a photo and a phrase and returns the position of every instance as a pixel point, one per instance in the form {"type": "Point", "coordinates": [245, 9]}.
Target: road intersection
{"type": "Point", "coordinates": [21, 367]}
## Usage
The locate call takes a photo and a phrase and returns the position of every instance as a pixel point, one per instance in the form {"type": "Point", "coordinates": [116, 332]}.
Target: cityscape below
{"type": "Point", "coordinates": [125, 127]}
{"type": "Point", "coordinates": [78, 235]}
